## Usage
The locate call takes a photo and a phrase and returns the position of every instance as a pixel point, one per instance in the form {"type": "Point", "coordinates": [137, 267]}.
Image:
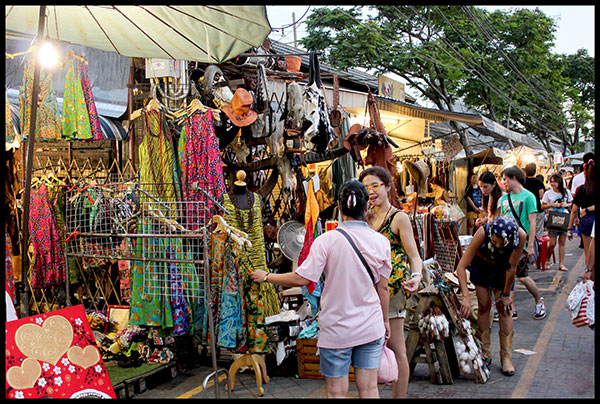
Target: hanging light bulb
{"type": "Point", "coordinates": [48, 55]}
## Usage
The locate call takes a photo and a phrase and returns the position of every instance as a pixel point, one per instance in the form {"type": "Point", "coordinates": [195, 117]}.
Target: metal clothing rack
{"type": "Point", "coordinates": [148, 225]}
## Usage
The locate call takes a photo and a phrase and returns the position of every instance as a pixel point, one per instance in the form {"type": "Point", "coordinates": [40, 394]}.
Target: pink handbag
{"type": "Point", "coordinates": [388, 366]}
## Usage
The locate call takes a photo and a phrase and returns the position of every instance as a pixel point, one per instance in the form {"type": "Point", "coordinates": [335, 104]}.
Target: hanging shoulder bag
{"type": "Point", "coordinates": [558, 221]}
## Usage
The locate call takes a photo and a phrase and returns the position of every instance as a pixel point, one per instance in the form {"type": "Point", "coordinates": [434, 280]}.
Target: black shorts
{"type": "Point", "coordinates": [488, 275]}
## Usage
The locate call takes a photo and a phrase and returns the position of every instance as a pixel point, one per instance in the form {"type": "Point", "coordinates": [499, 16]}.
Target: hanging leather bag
{"type": "Point", "coordinates": [317, 130]}
{"type": "Point", "coordinates": [263, 126]}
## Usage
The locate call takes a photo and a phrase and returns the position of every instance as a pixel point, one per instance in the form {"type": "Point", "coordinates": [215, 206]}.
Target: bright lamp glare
{"type": "Point", "coordinates": [48, 56]}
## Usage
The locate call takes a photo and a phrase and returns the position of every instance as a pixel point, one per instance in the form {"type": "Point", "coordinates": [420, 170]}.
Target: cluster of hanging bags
{"type": "Point", "coordinates": [580, 304]}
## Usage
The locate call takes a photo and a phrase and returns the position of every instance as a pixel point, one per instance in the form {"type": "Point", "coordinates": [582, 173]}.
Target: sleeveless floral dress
{"type": "Point", "coordinates": [400, 271]}
{"type": "Point", "coordinates": [75, 116]}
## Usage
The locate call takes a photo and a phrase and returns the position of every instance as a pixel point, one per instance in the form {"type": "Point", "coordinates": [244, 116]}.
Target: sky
{"type": "Point", "coordinates": [576, 25]}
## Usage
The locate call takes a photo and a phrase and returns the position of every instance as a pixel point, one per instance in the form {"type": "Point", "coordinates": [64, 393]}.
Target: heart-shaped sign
{"type": "Point", "coordinates": [47, 343]}
{"type": "Point", "coordinates": [85, 357]}
{"type": "Point", "coordinates": [24, 376]}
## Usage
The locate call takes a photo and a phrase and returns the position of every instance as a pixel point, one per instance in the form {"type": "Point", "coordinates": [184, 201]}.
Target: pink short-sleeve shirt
{"type": "Point", "coordinates": [350, 309]}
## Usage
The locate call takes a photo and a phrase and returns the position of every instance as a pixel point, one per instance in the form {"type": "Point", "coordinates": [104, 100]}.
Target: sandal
{"type": "Point", "coordinates": [563, 268]}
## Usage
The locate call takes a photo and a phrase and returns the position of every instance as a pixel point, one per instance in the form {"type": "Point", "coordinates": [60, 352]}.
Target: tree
{"type": "Point", "coordinates": [499, 63]}
{"type": "Point", "coordinates": [579, 69]}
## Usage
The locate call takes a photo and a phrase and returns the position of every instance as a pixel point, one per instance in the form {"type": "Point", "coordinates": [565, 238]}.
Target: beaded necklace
{"type": "Point", "coordinates": [238, 214]}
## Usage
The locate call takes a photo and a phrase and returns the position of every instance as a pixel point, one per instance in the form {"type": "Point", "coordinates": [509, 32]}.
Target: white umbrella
{"type": "Point", "coordinates": [209, 34]}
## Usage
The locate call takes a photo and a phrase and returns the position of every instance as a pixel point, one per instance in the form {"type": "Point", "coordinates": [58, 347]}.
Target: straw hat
{"type": "Point", "coordinates": [453, 279]}
{"type": "Point", "coordinates": [419, 171]}
{"type": "Point", "coordinates": [239, 109]}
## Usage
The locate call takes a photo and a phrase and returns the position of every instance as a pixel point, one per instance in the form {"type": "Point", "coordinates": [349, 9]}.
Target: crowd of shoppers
{"type": "Point", "coordinates": [360, 312]}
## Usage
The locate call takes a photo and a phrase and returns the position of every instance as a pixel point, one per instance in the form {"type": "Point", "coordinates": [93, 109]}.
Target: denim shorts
{"type": "Point", "coordinates": [554, 234]}
{"type": "Point", "coordinates": [336, 362]}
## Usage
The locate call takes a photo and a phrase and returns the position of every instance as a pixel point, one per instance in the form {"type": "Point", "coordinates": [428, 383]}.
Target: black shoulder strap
{"type": "Point", "coordinates": [362, 259]}
{"type": "Point", "coordinates": [514, 212]}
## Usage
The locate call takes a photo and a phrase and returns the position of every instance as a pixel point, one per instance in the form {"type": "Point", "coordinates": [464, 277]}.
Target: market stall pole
{"type": "Point", "coordinates": [29, 162]}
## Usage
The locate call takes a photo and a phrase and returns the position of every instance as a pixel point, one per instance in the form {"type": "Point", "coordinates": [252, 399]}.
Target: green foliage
{"type": "Point", "coordinates": [499, 63]}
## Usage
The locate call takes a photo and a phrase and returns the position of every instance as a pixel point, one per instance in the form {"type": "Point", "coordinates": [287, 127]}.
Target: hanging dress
{"type": "Point", "coordinates": [49, 260]}
{"type": "Point", "coordinates": [75, 116]}
{"type": "Point", "coordinates": [250, 259]}
{"type": "Point", "coordinates": [149, 306]}
{"type": "Point", "coordinates": [89, 102]}
{"type": "Point", "coordinates": [200, 160]}
{"type": "Point", "coordinates": [227, 297]}
{"type": "Point", "coordinates": [48, 121]}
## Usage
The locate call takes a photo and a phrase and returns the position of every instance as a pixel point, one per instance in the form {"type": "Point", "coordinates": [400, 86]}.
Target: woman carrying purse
{"type": "Point", "coordinates": [353, 321]}
{"type": "Point", "coordinates": [558, 199]}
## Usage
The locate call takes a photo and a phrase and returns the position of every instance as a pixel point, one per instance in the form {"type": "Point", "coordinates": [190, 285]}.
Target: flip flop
{"type": "Point", "coordinates": [563, 268]}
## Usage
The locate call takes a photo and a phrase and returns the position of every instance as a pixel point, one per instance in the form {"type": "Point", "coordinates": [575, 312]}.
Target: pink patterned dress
{"type": "Point", "coordinates": [49, 260]}
{"type": "Point", "coordinates": [200, 159]}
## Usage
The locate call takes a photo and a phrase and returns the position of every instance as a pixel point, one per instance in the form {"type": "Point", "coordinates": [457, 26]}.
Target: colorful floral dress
{"type": "Point", "coordinates": [200, 160]}
{"type": "Point", "coordinates": [49, 260]}
{"type": "Point", "coordinates": [48, 120]}
{"type": "Point", "coordinates": [75, 115]}
{"type": "Point", "coordinates": [226, 287]}
{"type": "Point", "coordinates": [149, 305]}
{"type": "Point", "coordinates": [400, 271]}
{"type": "Point", "coordinates": [90, 104]}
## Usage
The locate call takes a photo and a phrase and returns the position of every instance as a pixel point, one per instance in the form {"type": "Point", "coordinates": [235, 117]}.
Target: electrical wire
{"type": "Point", "coordinates": [482, 77]}
{"type": "Point", "coordinates": [492, 28]}
{"type": "Point", "coordinates": [511, 64]}
{"type": "Point", "coordinates": [478, 50]}
{"type": "Point", "coordinates": [294, 23]}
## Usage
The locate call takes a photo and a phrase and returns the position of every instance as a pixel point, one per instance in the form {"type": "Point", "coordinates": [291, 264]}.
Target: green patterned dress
{"type": "Point", "coordinates": [400, 270]}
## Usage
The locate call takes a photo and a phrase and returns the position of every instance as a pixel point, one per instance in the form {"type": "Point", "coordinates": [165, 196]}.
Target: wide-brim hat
{"type": "Point", "coordinates": [239, 111]}
{"type": "Point", "coordinates": [353, 129]}
{"type": "Point", "coordinates": [419, 171]}
{"type": "Point", "coordinates": [453, 279]}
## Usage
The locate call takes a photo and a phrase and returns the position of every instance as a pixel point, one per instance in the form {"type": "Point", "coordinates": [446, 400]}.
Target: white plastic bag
{"type": "Point", "coordinates": [577, 295]}
{"type": "Point", "coordinates": [388, 366]}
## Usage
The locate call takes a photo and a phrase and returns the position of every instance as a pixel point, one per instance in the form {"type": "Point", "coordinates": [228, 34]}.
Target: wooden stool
{"type": "Point", "coordinates": [260, 369]}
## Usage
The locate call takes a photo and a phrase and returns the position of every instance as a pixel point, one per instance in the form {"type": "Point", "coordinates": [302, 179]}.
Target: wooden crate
{"type": "Point", "coordinates": [308, 361]}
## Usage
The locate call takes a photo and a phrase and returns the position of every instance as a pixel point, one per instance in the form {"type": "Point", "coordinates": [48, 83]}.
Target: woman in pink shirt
{"type": "Point", "coordinates": [353, 321]}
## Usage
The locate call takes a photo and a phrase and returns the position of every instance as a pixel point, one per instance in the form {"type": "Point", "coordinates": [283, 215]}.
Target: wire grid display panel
{"type": "Point", "coordinates": [145, 224]}
{"type": "Point", "coordinates": [445, 250]}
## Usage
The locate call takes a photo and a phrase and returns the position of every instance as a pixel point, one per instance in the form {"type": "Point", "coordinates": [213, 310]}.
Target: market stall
{"type": "Point", "coordinates": [115, 218]}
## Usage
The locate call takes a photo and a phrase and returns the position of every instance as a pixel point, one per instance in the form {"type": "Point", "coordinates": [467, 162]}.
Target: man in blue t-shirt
{"type": "Point", "coordinates": [525, 207]}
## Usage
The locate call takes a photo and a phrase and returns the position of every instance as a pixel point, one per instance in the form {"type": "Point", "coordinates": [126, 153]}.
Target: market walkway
{"type": "Point", "coordinates": [562, 366]}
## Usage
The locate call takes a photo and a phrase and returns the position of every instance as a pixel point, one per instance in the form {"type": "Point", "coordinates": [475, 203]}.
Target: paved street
{"type": "Point", "coordinates": [562, 366]}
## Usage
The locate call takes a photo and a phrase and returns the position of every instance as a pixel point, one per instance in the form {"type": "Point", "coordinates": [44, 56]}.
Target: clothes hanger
{"type": "Point", "coordinates": [72, 54]}
{"type": "Point", "coordinates": [236, 235]}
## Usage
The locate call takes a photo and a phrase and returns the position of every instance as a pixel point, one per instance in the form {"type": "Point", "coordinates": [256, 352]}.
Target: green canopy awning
{"type": "Point", "coordinates": [209, 34]}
